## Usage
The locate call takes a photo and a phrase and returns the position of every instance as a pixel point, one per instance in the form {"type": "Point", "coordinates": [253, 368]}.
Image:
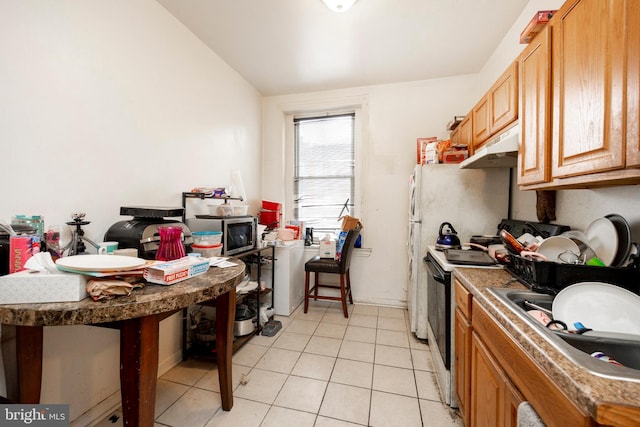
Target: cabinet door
{"type": "Point", "coordinates": [466, 133]}
{"type": "Point", "coordinates": [480, 122]}
{"type": "Point", "coordinates": [534, 152]}
{"type": "Point", "coordinates": [588, 87]}
{"type": "Point", "coordinates": [633, 84]}
{"type": "Point", "coordinates": [455, 136]}
{"type": "Point", "coordinates": [462, 363]}
{"type": "Point", "coordinates": [512, 399]}
{"type": "Point", "coordinates": [487, 387]}
{"type": "Point", "coordinates": [503, 98]}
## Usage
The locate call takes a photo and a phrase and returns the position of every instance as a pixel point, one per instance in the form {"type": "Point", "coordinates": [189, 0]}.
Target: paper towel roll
{"type": "Point", "coordinates": [237, 187]}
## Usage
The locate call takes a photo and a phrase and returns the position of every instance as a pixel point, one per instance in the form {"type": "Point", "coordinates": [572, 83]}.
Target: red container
{"type": "Point", "coordinates": [536, 25]}
{"type": "Point", "coordinates": [271, 206]}
{"type": "Point", "coordinates": [270, 218]}
{"type": "Point", "coordinates": [296, 230]}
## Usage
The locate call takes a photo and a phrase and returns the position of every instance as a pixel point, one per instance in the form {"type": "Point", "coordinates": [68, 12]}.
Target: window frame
{"type": "Point", "coordinates": [359, 108]}
{"type": "Point", "coordinates": [349, 204]}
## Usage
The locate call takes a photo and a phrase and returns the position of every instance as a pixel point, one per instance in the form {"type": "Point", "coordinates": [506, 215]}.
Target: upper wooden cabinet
{"type": "Point", "coordinates": [462, 135]}
{"type": "Point", "coordinates": [535, 101]}
{"type": "Point", "coordinates": [503, 97]}
{"type": "Point", "coordinates": [480, 122]}
{"type": "Point", "coordinates": [497, 108]}
{"type": "Point", "coordinates": [591, 138]}
{"type": "Point", "coordinates": [588, 87]}
{"type": "Point", "coordinates": [633, 84]}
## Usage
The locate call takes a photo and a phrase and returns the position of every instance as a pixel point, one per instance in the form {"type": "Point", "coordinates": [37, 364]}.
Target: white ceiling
{"type": "Point", "coordinates": [294, 46]}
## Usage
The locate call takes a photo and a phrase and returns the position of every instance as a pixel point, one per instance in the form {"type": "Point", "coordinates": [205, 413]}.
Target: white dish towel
{"type": "Point", "coordinates": [528, 417]}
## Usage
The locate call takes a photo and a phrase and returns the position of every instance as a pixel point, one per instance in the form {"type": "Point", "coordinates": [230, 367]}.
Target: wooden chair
{"type": "Point", "coordinates": [317, 265]}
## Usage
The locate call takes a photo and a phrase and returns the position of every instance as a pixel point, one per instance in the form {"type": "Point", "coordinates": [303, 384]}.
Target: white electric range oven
{"type": "Point", "coordinates": [440, 306]}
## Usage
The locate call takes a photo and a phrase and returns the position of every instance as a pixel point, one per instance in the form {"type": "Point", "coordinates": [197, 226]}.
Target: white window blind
{"type": "Point", "coordinates": [324, 170]}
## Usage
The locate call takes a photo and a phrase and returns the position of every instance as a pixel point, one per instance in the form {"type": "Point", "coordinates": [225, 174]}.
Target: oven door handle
{"type": "Point", "coordinates": [434, 271]}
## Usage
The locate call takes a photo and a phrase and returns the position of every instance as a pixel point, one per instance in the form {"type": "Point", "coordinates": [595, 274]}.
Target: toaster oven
{"type": "Point", "coordinates": [141, 232]}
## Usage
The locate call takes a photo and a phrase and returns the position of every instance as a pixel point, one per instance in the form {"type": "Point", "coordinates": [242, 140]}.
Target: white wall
{"type": "Point", "coordinates": [393, 117]}
{"type": "Point", "coordinates": [106, 104]}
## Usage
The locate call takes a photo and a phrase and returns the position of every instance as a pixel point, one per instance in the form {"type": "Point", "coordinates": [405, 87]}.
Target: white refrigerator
{"type": "Point", "coordinates": [472, 200]}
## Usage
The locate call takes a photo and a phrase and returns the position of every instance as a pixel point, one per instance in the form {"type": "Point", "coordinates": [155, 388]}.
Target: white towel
{"type": "Point", "coordinates": [528, 417]}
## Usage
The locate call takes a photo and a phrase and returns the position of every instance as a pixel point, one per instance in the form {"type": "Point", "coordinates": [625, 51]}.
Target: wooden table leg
{"type": "Point", "coordinates": [29, 360]}
{"type": "Point", "coordinates": [139, 370]}
{"type": "Point", "coordinates": [225, 315]}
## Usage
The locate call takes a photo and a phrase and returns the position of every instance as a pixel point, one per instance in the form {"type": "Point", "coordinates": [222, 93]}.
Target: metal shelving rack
{"type": "Point", "coordinates": [256, 257]}
{"type": "Point", "coordinates": [201, 196]}
{"type": "Point", "coordinates": [251, 257]}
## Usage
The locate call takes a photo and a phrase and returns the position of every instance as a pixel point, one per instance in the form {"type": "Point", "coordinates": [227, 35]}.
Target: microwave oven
{"type": "Point", "coordinates": [239, 233]}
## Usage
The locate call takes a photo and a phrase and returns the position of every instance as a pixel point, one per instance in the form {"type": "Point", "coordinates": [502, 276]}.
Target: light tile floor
{"type": "Point", "coordinates": [320, 370]}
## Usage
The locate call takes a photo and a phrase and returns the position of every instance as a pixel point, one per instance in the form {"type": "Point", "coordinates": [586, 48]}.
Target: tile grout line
{"type": "Point", "coordinates": [297, 315]}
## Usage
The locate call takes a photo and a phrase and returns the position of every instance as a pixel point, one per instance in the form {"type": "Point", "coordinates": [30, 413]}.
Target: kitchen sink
{"type": "Point", "coordinates": [576, 347]}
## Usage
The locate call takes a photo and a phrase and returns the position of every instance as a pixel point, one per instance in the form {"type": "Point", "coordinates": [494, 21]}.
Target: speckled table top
{"type": "Point", "coordinates": [582, 387]}
{"type": "Point", "coordinates": [152, 299]}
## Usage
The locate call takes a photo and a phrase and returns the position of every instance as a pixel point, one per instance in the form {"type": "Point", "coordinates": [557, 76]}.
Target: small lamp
{"type": "Point", "coordinates": [339, 5]}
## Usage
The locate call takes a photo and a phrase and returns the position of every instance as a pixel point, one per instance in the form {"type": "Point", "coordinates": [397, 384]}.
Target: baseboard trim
{"type": "Point", "coordinates": [169, 362]}
{"type": "Point", "coordinates": [104, 409]}
{"type": "Point", "coordinates": [98, 412]}
{"type": "Point", "coordinates": [381, 302]}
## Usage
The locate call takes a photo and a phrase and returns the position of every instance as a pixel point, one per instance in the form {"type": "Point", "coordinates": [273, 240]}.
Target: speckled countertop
{"type": "Point", "coordinates": [584, 388]}
{"type": "Point", "coordinates": [152, 299]}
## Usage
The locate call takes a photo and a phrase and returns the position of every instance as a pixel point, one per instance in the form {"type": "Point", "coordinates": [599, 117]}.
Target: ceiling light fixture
{"type": "Point", "coordinates": [339, 5]}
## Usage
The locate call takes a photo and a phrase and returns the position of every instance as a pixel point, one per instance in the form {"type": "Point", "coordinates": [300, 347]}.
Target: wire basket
{"type": "Point", "coordinates": [203, 335]}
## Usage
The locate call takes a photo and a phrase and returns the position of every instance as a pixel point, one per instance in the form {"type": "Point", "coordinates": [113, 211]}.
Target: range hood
{"type": "Point", "coordinates": [500, 152]}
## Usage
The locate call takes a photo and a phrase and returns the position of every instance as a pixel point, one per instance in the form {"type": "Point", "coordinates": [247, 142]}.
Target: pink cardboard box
{"type": "Point", "coordinates": [21, 248]}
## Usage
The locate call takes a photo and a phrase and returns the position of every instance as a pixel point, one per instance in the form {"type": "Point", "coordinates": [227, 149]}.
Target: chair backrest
{"type": "Point", "coordinates": [347, 249]}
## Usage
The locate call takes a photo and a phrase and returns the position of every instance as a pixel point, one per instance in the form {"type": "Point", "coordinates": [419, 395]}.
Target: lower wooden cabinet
{"type": "Point", "coordinates": [494, 400]}
{"type": "Point", "coordinates": [513, 399]}
{"type": "Point", "coordinates": [524, 374]}
{"type": "Point", "coordinates": [493, 374]}
{"type": "Point", "coordinates": [462, 363]}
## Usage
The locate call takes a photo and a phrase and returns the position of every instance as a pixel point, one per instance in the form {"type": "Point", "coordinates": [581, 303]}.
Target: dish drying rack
{"type": "Point", "coordinates": [551, 277]}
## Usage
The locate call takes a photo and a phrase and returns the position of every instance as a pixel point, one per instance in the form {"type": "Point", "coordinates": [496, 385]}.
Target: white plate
{"type": "Point", "coordinates": [553, 247]}
{"type": "Point", "coordinates": [598, 306]}
{"type": "Point", "coordinates": [99, 263]}
{"type": "Point", "coordinates": [603, 239]}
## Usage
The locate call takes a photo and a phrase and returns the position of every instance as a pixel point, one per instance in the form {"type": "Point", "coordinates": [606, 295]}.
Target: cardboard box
{"type": "Point", "coordinates": [170, 272]}
{"type": "Point", "coordinates": [40, 287]}
{"type": "Point", "coordinates": [328, 249]}
{"type": "Point", "coordinates": [21, 248]}
{"type": "Point", "coordinates": [421, 145]}
{"type": "Point", "coordinates": [537, 23]}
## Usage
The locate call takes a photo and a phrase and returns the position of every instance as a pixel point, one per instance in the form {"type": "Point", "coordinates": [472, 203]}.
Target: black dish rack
{"type": "Point", "coordinates": [551, 277]}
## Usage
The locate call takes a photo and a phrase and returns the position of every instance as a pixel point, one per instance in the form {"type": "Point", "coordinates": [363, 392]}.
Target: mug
{"type": "Point", "coordinates": [107, 248]}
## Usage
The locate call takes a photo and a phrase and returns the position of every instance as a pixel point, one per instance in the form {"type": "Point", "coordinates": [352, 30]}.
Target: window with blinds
{"type": "Point", "coordinates": [324, 170]}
